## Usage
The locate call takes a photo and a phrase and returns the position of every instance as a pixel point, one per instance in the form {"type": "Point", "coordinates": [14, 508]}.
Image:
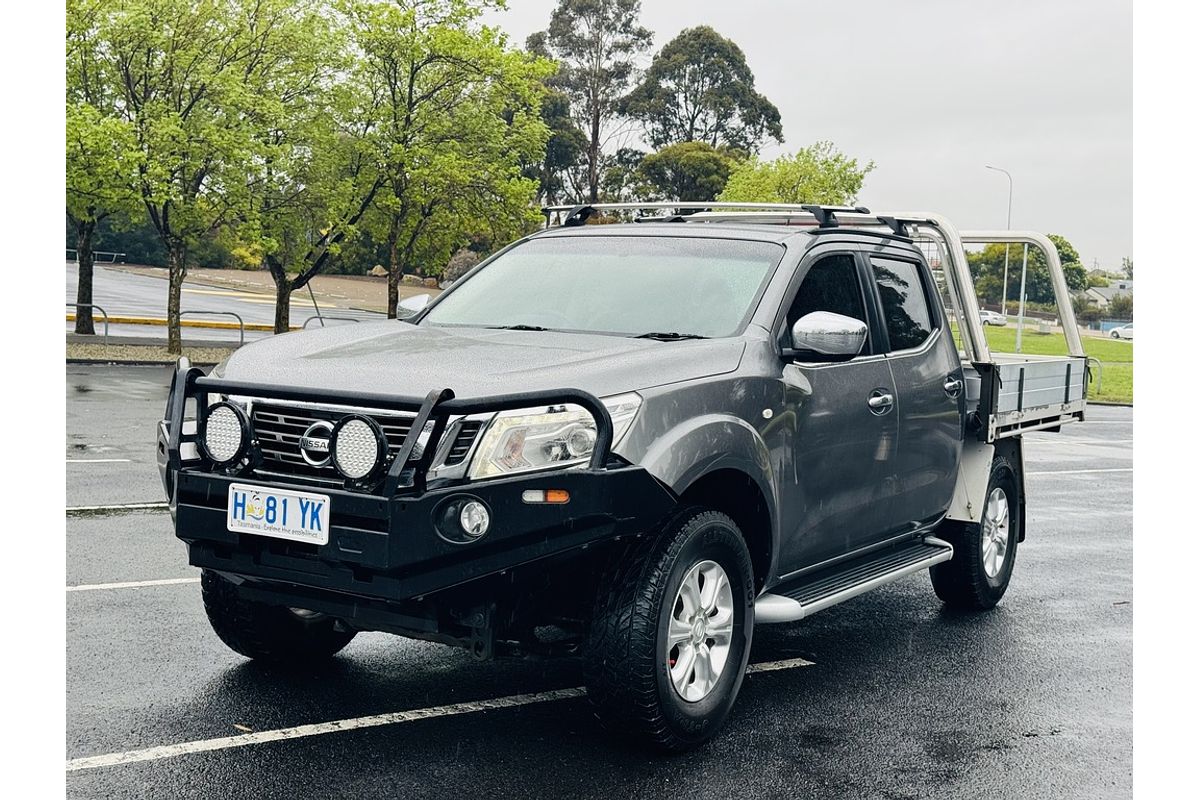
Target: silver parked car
{"type": "Point", "coordinates": [1123, 332]}
{"type": "Point", "coordinates": [992, 317]}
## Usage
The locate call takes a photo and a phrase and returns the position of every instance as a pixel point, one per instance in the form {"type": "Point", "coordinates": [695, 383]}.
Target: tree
{"type": "Point", "coordinates": [458, 115]}
{"type": "Point", "coordinates": [1121, 306]}
{"type": "Point", "coordinates": [556, 171]}
{"type": "Point", "coordinates": [185, 74]}
{"type": "Point", "coordinates": [313, 179]}
{"type": "Point", "coordinates": [596, 43]}
{"type": "Point", "coordinates": [987, 268]}
{"type": "Point", "coordinates": [1127, 267]}
{"type": "Point", "coordinates": [619, 182]}
{"type": "Point", "coordinates": [686, 171]}
{"type": "Point", "coordinates": [100, 170]}
{"type": "Point", "coordinates": [699, 88]}
{"type": "Point", "coordinates": [815, 174]}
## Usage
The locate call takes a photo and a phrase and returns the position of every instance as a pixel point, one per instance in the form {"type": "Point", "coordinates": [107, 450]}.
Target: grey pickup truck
{"type": "Point", "coordinates": [625, 443]}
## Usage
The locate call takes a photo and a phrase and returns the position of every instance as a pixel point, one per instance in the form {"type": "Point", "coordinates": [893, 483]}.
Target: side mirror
{"type": "Point", "coordinates": [829, 334]}
{"type": "Point", "coordinates": [410, 306]}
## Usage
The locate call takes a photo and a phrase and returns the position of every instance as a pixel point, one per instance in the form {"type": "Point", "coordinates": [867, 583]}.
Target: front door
{"type": "Point", "coordinates": [842, 446]}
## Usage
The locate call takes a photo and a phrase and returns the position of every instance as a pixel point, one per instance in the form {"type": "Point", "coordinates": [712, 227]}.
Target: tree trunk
{"type": "Point", "coordinates": [175, 271]}
{"type": "Point", "coordinates": [283, 303]}
{"type": "Point", "coordinates": [594, 160]}
{"type": "Point", "coordinates": [84, 322]}
{"type": "Point", "coordinates": [394, 267]}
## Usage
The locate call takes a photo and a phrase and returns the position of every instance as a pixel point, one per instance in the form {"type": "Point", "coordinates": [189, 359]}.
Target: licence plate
{"type": "Point", "coordinates": [279, 513]}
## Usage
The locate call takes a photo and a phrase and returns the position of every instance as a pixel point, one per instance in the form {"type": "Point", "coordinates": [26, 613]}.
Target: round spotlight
{"type": "Point", "coordinates": [358, 447]}
{"type": "Point", "coordinates": [226, 434]}
{"type": "Point", "coordinates": [474, 518]}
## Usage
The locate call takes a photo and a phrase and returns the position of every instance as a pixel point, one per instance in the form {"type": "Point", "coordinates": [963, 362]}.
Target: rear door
{"type": "Point", "coordinates": [930, 392]}
{"type": "Point", "coordinates": [841, 449]}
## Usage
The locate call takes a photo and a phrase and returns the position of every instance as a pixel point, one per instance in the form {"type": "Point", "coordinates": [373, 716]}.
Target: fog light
{"type": "Point", "coordinates": [474, 518]}
{"type": "Point", "coordinates": [358, 447]}
{"type": "Point", "coordinates": [226, 434]}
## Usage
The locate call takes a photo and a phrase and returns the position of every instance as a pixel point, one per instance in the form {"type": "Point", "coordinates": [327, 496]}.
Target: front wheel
{"type": "Point", "coordinates": [984, 553]}
{"type": "Point", "coordinates": [1115, 335]}
{"type": "Point", "coordinates": [289, 636]}
{"type": "Point", "coordinates": [670, 632]}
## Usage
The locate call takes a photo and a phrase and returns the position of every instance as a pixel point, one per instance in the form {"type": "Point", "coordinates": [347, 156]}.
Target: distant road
{"type": "Point", "coordinates": [123, 293]}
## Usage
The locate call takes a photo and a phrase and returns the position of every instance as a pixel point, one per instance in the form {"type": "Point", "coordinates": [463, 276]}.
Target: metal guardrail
{"type": "Point", "coordinates": [241, 322]}
{"type": "Point", "coordinates": [1099, 370]}
{"type": "Point", "coordinates": [324, 317]}
{"type": "Point", "coordinates": [97, 255]}
{"type": "Point", "coordinates": [98, 308]}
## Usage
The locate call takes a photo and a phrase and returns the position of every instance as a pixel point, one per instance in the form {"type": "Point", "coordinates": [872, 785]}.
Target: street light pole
{"type": "Point", "coordinates": [1008, 226]}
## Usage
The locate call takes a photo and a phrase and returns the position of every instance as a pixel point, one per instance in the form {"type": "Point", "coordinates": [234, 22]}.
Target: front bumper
{"type": "Point", "coordinates": [391, 549]}
{"type": "Point", "coordinates": [387, 545]}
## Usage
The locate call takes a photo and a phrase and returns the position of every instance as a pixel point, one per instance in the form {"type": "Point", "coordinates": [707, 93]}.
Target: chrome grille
{"type": "Point", "coordinates": [278, 429]}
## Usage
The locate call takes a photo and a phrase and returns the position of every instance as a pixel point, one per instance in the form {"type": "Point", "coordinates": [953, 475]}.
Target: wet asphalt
{"type": "Point", "coordinates": [903, 700]}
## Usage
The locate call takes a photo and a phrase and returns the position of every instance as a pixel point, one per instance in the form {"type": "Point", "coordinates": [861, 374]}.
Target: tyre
{"type": "Point", "coordinates": [984, 553]}
{"type": "Point", "coordinates": [670, 632]}
{"type": "Point", "coordinates": [1115, 335]}
{"type": "Point", "coordinates": [265, 632]}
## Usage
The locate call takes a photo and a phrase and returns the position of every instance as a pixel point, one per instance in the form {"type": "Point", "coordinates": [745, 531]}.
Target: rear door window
{"type": "Point", "coordinates": [906, 313]}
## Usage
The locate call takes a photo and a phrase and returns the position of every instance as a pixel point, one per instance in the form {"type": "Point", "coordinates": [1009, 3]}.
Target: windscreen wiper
{"type": "Point", "coordinates": [517, 328]}
{"type": "Point", "coordinates": [668, 336]}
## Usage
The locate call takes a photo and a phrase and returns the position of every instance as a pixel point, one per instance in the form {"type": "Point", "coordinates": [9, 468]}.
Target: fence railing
{"type": "Point", "coordinates": [324, 317]}
{"type": "Point", "coordinates": [103, 313]}
{"type": "Point", "coordinates": [102, 256]}
{"type": "Point", "coordinates": [241, 322]}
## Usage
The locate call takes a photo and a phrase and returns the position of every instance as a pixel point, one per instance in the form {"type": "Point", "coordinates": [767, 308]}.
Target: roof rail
{"type": "Point", "coordinates": [580, 213]}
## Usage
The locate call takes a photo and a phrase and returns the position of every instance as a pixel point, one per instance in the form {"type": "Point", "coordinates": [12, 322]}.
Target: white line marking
{"type": "Point", "coordinates": [92, 587]}
{"type": "Point", "coordinates": [394, 718]}
{"type": "Point", "coordinates": [1068, 441]}
{"type": "Point", "coordinates": [118, 507]}
{"type": "Point", "coordinates": [1080, 471]}
{"type": "Point", "coordinates": [98, 460]}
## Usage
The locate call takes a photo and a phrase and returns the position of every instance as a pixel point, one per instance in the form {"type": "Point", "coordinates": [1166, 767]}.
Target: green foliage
{"type": "Point", "coordinates": [195, 82]}
{"type": "Point", "coordinates": [699, 88]}
{"type": "Point", "coordinates": [619, 182]}
{"type": "Point", "coordinates": [987, 268]}
{"type": "Point", "coordinates": [596, 43]}
{"type": "Point", "coordinates": [686, 171]}
{"type": "Point", "coordinates": [1120, 307]}
{"type": "Point", "coordinates": [815, 174]}
{"type": "Point", "coordinates": [455, 115]}
{"type": "Point", "coordinates": [557, 172]}
{"type": "Point", "coordinates": [1096, 279]}
{"type": "Point", "coordinates": [1127, 267]}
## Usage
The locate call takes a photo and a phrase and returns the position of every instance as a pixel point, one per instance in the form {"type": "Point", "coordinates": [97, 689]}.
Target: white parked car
{"type": "Point", "coordinates": [1123, 332]}
{"type": "Point", "coordinates": [992, 317]}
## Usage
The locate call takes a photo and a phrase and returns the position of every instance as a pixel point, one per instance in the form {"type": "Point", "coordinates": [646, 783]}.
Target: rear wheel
{"type": "Point", "coordinates": [984, 553]}
{"type": "Point", "coordinates": [670, 633]}
{"type": "Point", "coordinates": [265, 632]}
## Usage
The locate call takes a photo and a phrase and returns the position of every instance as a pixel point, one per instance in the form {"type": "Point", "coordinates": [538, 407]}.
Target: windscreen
{"type": "Point", "coordinates": [624, 285]}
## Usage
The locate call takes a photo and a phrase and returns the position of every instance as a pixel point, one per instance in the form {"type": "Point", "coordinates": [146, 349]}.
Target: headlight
{"type": "Point", "coordinates": [535, 438]}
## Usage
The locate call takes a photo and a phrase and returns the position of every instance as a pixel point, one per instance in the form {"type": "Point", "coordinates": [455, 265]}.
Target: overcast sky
{"type": "Point", "coordinates": [934, 89]}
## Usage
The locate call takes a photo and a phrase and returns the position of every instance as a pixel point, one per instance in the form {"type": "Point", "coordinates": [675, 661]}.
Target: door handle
{"type": "Point", "coordinates": [880, 402]}
{"type": "Point", "coordinates": [952, 386]}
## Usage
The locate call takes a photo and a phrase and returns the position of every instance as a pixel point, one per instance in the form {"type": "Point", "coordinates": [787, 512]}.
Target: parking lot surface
{"type": "Point", "coordinates": [885, 696]}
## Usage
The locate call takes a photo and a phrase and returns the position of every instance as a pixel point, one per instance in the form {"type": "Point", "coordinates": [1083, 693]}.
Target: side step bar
{"type": "Point", "coordinates": [808, 594]}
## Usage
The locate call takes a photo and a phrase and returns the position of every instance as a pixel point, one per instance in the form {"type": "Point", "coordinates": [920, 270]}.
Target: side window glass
{"type": "Point", "coordinates": [831, 284]}
{"type": "Point", "coordinates": [905, 305]}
